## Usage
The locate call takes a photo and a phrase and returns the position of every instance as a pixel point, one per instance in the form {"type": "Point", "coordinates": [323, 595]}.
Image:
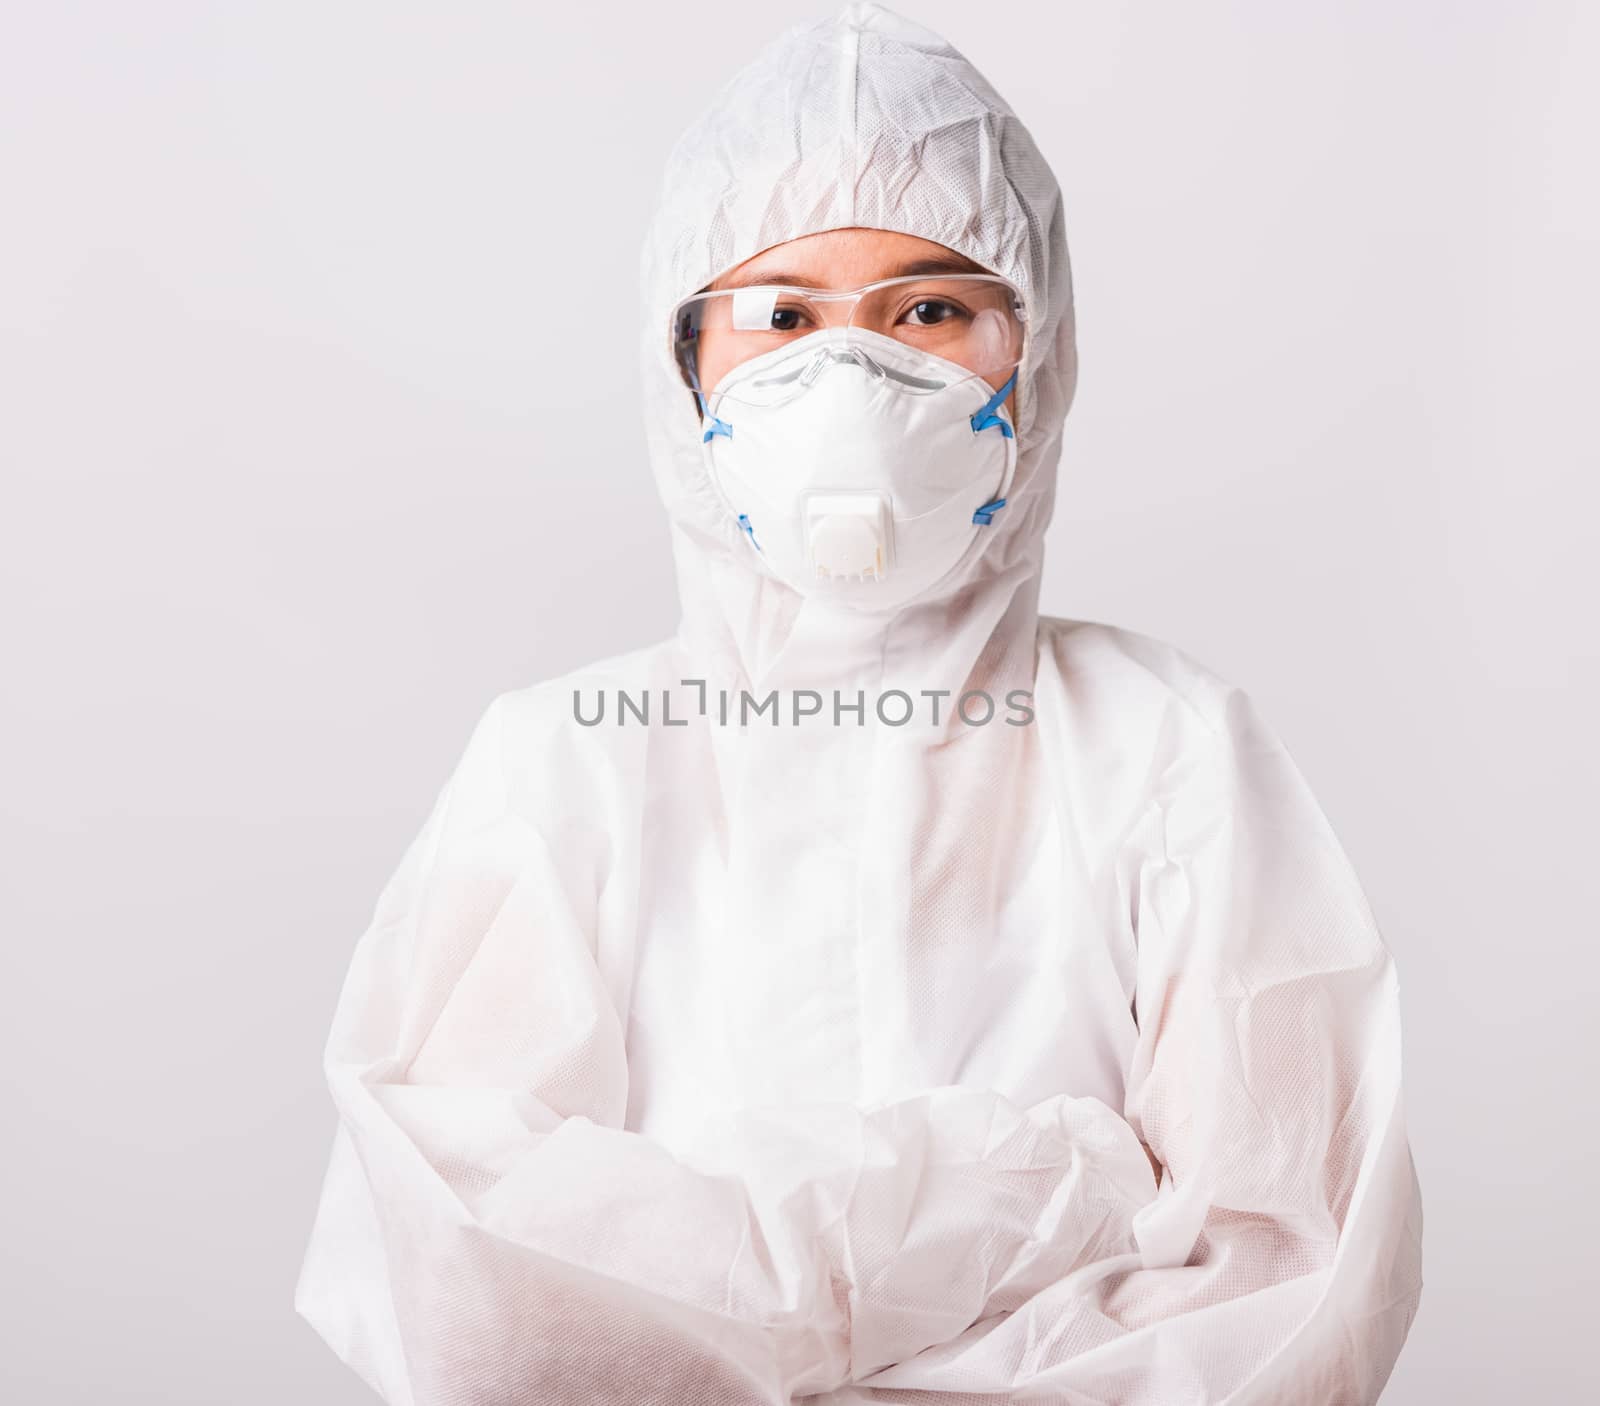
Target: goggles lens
{"type": "Point", "coordinates": [974, 321]}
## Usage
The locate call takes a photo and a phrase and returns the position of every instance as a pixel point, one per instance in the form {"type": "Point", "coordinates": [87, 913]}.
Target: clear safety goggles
{"type": "Point", "coordinates": [975, 321]}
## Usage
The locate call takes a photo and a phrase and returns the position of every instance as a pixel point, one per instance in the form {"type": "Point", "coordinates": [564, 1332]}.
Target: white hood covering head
{"type": "Point", "coordinates": [861, 120]}
{"type": "Point", "coordinates": [742, 1063]}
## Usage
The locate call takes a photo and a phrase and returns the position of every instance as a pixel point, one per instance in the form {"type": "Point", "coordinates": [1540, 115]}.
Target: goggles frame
{"type": "Point", "coordinates": [682, 348]}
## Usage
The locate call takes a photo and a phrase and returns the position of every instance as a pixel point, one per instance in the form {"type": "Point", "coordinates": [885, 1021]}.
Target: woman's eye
{"type": "Point", "coordinates": [786, 319]}
{"type": "Point", "coordinates": [932, 311]}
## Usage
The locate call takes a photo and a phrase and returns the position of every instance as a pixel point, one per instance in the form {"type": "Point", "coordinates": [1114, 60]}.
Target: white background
{"type": "Point", "coordinates": [319, 427]}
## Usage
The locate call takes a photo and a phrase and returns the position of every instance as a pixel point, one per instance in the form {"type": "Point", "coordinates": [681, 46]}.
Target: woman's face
{"type": "Point", "coordinates": [835, 259]}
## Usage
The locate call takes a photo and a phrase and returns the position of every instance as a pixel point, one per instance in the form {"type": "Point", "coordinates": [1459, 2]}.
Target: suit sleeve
{"type": "Point", "coordinates": [487, 1233]}
{"type": "Point", "coordinates": [1279, 1261]}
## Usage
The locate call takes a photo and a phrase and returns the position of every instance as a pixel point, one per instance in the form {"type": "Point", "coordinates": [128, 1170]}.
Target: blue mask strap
{"type": "Point", "coordinates": [717, 426]}
{"type": "Point", "coordinates": [984, 417]}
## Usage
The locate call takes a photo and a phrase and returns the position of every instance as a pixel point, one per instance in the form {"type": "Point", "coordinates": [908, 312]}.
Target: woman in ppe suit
{"type": "Point", "coordinates": [828, 1052]}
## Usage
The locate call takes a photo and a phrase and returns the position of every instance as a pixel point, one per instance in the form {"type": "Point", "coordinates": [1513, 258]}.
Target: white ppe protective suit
{"type": "Point", "coordinates": [697, 1062]}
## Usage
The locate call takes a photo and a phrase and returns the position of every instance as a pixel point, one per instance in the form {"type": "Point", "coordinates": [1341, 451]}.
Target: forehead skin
{"type": "Point", "coordinates": [844, 258]}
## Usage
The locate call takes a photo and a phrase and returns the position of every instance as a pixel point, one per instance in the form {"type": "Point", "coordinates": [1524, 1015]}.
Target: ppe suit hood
{"type": "Point", "coordinates": [865, 120]}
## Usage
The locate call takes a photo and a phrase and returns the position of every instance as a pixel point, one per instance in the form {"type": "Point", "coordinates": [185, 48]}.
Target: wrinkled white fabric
{"type": "Point", "coordinates": [950, 1064]}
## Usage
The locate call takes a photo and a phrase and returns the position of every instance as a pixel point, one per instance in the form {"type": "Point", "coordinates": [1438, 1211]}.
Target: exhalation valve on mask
{"type": "Point", "coordinates": [871, 484]}
{"type": "Point", "coordinates": [847, 535]}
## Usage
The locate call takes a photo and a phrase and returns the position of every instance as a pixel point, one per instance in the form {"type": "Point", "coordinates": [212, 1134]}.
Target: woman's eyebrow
{"type": "Point", "coordinates": [939, 263]}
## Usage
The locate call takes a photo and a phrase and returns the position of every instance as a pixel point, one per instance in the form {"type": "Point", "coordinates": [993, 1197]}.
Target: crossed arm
{"type": "Point", "coordinates": [1245, 1228]}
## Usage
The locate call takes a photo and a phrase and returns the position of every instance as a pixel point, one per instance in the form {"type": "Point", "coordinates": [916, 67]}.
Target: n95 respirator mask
{"type": "Point", "coordinates": [859, 469]}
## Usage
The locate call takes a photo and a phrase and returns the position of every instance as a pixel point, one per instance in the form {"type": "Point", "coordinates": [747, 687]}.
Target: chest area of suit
{"type": "Point", "coordinates": [860, 923]}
